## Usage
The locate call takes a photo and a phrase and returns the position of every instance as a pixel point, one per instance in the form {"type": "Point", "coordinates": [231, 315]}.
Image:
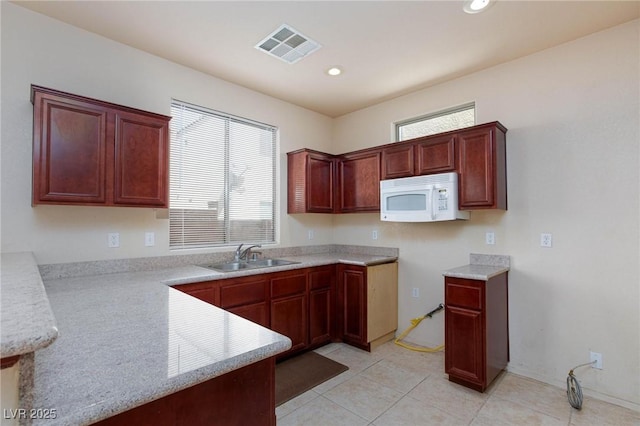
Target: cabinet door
{"type": "Point", "coordinates": [141, 160]}
{"type": "Point", "coordinates": [289, 314]}
{"type": "Point", "coordinates": [320, 316]}
{"type": "Point", "coordinates": [310, 182]}
{"type": "Point", "coordinates": [289, 317]}
{"type": "Point", "coordinates": [360, 182]}
{"type": "Point", "coordinates": [435, 155]}
{"type": "Point", "coordinates": [465, 344]}
{"type": "Point", "coordinates": [482, 167]}
{"type": "Point", "coordinates": [320, 183]}
{"type": "Point", "coordinates": [69, 151]}
{"type": "Point", "coordinates": [397, 161]}
{"type": "Point", "coordinates": [352, 282]}
{"type": "Point", "coordinates": [321, 310]}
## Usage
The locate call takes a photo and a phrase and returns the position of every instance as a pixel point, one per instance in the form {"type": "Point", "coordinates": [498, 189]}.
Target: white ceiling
{"type": "Point", "coordinates": [386, 48]}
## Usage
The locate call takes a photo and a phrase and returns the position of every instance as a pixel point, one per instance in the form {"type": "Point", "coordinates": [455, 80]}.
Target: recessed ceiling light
{"type": "Point", "coordinates": [334, 71]}
{"type": "Point", "coordinates": [476, 6]}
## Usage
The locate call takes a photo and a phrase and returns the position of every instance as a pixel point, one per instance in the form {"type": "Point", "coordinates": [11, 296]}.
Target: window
{"type": "Point", "coordinates": [443, 121]}
{"type": "Point", "coordinates": [222, 179]}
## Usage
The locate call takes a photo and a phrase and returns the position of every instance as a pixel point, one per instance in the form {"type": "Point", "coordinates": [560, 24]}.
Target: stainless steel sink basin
{"type": "Point", "coordinates": [264, 263]}
{"type": "Point", "coordinates": [251, 264]}
{"type": "Point", "coordinates": [229, 266]}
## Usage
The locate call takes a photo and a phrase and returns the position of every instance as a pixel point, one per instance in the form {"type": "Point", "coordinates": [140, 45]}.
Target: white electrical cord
{"type": "Point", "coordinates": [574, 390]}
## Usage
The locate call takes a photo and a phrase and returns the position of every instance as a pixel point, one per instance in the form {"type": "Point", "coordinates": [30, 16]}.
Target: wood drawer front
{"type": "Point", "coordinates": [242, 293]}
{"type": "Point", "coordinates": [206, 291]}
{"type": "Point", "coordinates": [321, 277]}
{"type": "Point", "coordinates": [258, 313]}
{"type": "Point", "coordinates": [464, 293]}
{"type": "Point", "coordinates": [288, 285]}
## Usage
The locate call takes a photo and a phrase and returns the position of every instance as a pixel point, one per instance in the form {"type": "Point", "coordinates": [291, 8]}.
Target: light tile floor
{"type": "Point", "coordinates": [396, 386]}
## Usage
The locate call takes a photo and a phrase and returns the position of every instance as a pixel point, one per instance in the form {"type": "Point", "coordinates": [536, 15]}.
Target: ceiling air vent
{"type": "Point", "coordinates": [288, 44]}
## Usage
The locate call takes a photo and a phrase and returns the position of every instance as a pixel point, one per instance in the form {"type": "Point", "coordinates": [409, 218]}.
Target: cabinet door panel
{"type": "Point", "coordinates": [397, 162]}
{"type": "Point", "coordinates": [464, 343]}
{"type": "Point", "coordinates": [353, 298]}
{"type": "Point", "coordinates": [476, 168]}
{"type": "Point", "coordinates": [360, 182]}
{"type": "Point", "coordinates": [435, 155]}
{"type": "Point", "coordinates": [320, 313]}
{"type": "Point", "coordinates": [70, 152]}
{"type": "Point", "coordinates": [289, 317]}
{"type": "Point", "coordinates": [141, 164]}
{"type": "Point", "coordinates": [320, 183]}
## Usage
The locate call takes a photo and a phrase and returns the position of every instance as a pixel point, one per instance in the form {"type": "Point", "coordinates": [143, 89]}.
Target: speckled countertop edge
{"type": "Point", "coordinates": [481, 267]}
{"type": "Point", "coordinates": [26, 320]}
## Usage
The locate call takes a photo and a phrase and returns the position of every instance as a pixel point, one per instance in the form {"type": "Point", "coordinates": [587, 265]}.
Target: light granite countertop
{"type": "Point", "coordinates": [128, 338]}
{"type": "Point", "coordinates": [26, 320]}
{"type": "Point", "coordinates": [481, 267]}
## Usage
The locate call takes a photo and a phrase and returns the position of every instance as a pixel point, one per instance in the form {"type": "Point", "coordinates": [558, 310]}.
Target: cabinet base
{"type": "Point", "coordinates": [382, 340]}
{"type": "Point", "coordinates": [474, 385]}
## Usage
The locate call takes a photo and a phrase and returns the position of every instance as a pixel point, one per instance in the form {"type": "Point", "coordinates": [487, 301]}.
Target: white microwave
{"type": "Point", "coordinates": [427, 198]}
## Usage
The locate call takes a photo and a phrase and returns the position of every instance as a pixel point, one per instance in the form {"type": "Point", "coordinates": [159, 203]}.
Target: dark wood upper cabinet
{"type": "Point", "coordinates": [89, 152]}
{"type": "Point", "coordinates": [359, 178]}
{"type": "Point", "coordinates": [477, 154]}
{"type": "Point", "coordinates": [482, 167]}
{"type": "Point", "coordinates": [141, 160]}
{"type": "Point", "coordinates": [435, 154]}
{"type": "Point", "coordinates": [311, 182]}
{"type": "Point", "coordinates": [397, 161]}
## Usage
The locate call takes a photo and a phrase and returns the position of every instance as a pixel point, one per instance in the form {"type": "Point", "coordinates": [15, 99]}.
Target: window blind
{"type": "Point", "coordinates": [222, 179]}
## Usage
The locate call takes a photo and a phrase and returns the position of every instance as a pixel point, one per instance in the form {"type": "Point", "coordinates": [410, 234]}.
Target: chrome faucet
{"type": "Point", "coordinates": [244, 254]}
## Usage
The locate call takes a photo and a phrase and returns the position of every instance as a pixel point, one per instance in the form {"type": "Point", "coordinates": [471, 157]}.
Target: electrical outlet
{"type": "Point", "coordinates": [490, 238]}
{"type": "Point", "coordinates": [374, 234]}
{"type": "Point", "coordinates": [415, 292]}
{"type": "Point", "coordinates": [597, 357]}
{"type": "Point", "coordinates": [113, 240]}
{"type": "Point", "coordinates": [149, 239]}
{"type": "Point", "coordinates": [546, 240]}
{"type": "Point", "coordinates": [310, 234]}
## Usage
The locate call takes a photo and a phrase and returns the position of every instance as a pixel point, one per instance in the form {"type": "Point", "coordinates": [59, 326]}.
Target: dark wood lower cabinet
{"type": "Point", "coordinates": [476, 330]}
{"type": "Point", "coordinates": [367, 300]}
{"type": "Point", "coordinates": [353, 295]}
{"type": "Point", "coordinates": [289, 313]}
{"type": "Point", "coordinates": [241, 397]}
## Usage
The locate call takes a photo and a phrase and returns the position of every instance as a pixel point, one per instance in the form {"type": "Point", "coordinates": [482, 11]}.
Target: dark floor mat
{"type": "Point", "coordinates": [303, 372]}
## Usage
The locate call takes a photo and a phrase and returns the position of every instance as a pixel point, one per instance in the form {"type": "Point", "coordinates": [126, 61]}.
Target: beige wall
{"type": "Point", "coordinates": [42, 51]}
{"type": "Point", "coordinates": [573, 160]}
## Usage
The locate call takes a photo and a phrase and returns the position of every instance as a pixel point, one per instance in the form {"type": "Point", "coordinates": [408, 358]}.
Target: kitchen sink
{"type": "Point", "coordinates": [250, 264]}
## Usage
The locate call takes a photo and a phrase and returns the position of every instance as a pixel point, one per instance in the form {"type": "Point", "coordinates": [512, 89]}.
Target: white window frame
{"type": "Point", "coordinates": [431, 116]}
{"type": "Point", "coordinates": [211, 223]}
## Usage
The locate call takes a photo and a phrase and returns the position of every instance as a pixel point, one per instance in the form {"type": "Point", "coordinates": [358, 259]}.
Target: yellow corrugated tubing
{"type": "Point", "coordinates": [414, 324]}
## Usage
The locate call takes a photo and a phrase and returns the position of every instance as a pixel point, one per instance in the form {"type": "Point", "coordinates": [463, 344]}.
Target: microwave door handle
{"type": "Point", "coordinates": [432, 202]}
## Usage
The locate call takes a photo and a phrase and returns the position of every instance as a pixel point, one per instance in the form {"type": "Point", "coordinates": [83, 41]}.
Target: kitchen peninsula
{"type": "Point", "coordinates": [128, 340]}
